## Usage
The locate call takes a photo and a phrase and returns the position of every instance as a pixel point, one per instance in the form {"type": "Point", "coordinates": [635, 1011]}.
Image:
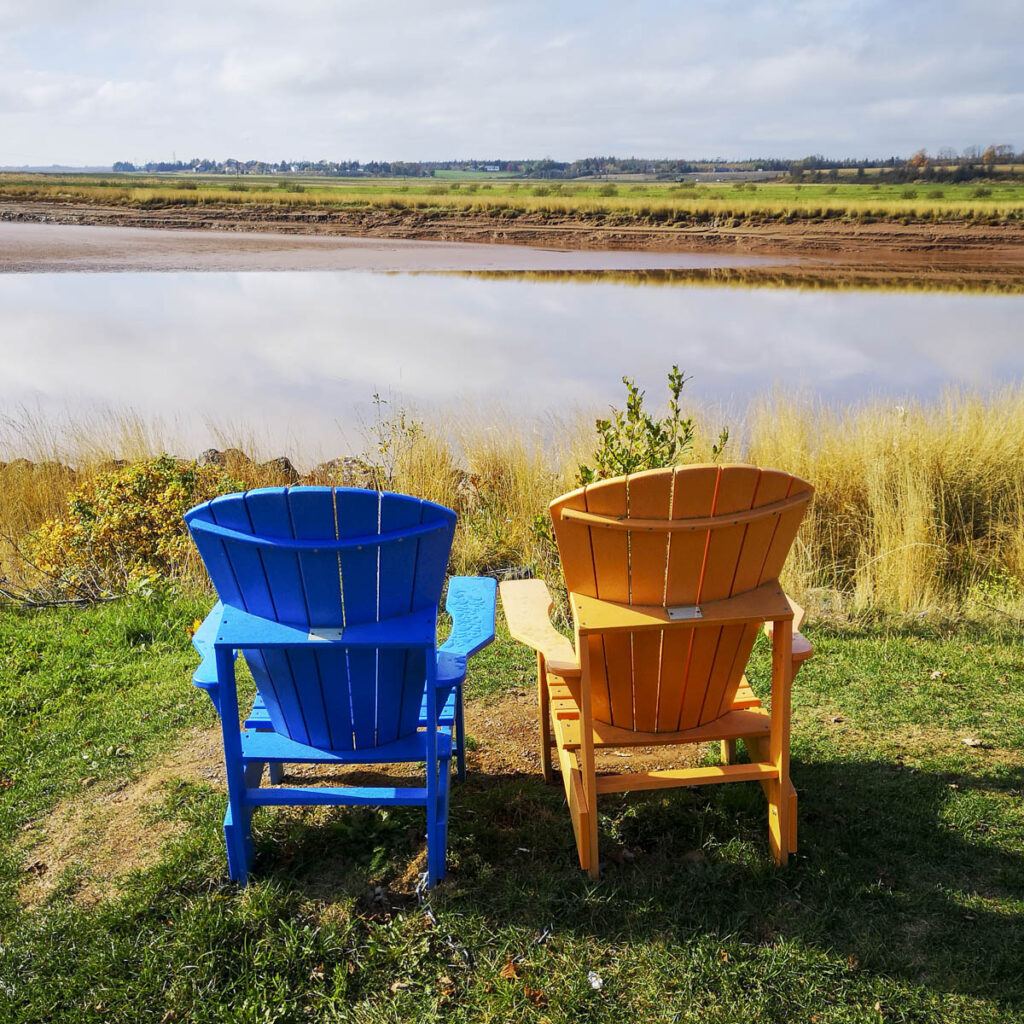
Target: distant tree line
{"type": "Point", "coordinates": [946, 165]}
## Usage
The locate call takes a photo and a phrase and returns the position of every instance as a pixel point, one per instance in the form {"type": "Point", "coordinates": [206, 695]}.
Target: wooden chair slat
{"type": "Point", "coordinates": [573, 540]}
{"type": "Point", "coordinates": [693, 494]}
{"type": "Point", "coordinates": [757, 539]}
{"type": "Point", "coordinates": [618, 665]}
{"type": "Point", "coordinates": [703, 649]}
{"type": "Point", "coordinates": [675, 660]}
{"type": "Point", "coordinates": [646, 678]}
{"type": "Point", "coordinates": [600, 695]}
{"type": "Point", "coordinates": [736, 488]}
{"type": "Point", "coordinates": [734, 646]}
{"type": "Point", "coordinates": [650, 495]}
{"type": "Point", "coordinates": [611, 550]}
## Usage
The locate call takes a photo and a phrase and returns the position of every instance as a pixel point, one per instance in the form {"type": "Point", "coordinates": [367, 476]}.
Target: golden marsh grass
{"type": "Point", "coordinates": [649, 203]}
{"type": "Point", "coordinates": [919, 506]}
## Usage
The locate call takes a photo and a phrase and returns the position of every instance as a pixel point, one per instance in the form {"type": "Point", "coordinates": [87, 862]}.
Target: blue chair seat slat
{"type": "Point", "coordinates": [352, 796]}
{"type": "Point", "coordinates": [272, 746]}
{"type": "Point", "coordinates": [470, 602]}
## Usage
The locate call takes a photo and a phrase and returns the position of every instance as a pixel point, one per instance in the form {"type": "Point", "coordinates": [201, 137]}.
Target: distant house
{"type": "Point", "coordinates": [492, 167]}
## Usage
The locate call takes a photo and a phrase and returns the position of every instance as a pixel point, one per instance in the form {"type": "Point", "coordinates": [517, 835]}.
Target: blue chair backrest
{"type": "Point", "coordinates": [382, 555]}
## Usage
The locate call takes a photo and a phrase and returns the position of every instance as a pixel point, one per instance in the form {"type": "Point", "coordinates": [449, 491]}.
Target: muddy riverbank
{"type": "Point", "coordinates": [954, 251]}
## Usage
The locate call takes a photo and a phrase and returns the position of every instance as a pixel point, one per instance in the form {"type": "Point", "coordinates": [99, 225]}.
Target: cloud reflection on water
{"type": "Point", "coordinates": [300, 354]}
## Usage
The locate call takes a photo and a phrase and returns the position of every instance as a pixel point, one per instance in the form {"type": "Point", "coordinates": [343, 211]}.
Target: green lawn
{"type": "Point", "coordinates": [904, 904]}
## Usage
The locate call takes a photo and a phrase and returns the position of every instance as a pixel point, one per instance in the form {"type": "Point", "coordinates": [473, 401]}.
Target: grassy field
{"type": "Point", "coordinates": [905, 902]}
{"type": "Point", "coordinates": [644, 203]}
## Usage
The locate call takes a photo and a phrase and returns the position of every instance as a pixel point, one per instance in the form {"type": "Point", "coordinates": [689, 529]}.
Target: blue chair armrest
{"type": "Point", "coordinates": [470, 603]}
{"type": "Point", "coordinates": [202, 640]}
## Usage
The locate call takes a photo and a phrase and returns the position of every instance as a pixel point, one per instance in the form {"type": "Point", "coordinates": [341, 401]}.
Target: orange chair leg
{"type": "Point", "coordinates": [544, 709]}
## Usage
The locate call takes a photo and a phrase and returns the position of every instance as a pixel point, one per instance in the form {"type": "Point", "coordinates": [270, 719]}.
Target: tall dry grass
{"type": "Point", "coordinates": [918, 506]}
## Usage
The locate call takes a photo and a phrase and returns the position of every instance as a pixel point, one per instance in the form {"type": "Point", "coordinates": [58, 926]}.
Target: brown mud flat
{"type": "Point", "coordinates": [954, 252]}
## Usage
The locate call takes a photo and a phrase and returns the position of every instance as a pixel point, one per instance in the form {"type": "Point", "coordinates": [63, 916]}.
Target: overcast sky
{"type": "Point", "coordinates": [93, 81]}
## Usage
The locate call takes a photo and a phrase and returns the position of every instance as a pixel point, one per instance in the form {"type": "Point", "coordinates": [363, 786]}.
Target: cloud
{"type": "Point", "coordinates": [392, 80]}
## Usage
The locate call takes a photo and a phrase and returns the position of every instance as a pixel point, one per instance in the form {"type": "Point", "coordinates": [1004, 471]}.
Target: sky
{"type": "Point", "coordinates": [93, 81]}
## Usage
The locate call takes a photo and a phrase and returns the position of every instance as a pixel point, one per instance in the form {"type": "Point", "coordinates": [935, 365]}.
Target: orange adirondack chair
{"type": "Point", "coordinates": [671, 575]}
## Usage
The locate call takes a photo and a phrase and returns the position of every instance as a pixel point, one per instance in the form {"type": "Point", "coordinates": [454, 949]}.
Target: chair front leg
{"type": "Point", "coordinates": [781, 794]}
{"type": "Point", "coordinates": [544, 711]}
{"type": "Point", "coordinates": [238, 819]}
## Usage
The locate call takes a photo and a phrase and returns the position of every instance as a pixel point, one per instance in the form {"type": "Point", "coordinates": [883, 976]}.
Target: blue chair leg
{"type": "Point", "coordinates": [238, 842]}
{"type": "Point", "coordinates": [276, 772]}
{"type": "Point", "coordinates": [460, 735]}
{"type": "Point", "coordinates": [444, 800]}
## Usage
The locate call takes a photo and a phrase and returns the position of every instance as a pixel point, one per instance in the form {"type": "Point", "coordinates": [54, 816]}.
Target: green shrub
{"type": "Point", "coordinates": [633, 440]}
{"type": "Point", "coordinates": [124, 528]}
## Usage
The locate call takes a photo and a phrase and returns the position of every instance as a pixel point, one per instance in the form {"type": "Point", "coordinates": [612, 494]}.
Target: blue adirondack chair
{"type": "Point", "coordinates": [331, 596]}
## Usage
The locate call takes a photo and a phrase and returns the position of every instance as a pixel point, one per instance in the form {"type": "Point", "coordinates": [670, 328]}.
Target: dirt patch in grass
{"type": "Point", "coordinates": [101, 833]}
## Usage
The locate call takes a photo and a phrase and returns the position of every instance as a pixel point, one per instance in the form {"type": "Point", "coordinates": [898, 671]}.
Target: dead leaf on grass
{"type": "Point", "coordinates": [536, 996]}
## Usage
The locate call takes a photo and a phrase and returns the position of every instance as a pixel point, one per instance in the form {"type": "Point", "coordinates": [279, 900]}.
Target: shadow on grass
{"type": "Point", "coordinates": [905, 873]}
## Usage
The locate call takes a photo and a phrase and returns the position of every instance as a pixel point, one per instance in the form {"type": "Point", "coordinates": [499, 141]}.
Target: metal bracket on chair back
{"type": "Point", "coordinates": [684, 611]}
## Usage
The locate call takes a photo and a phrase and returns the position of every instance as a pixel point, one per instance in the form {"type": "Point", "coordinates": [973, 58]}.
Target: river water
{"type": "Point", "coordinates": [297, 356]}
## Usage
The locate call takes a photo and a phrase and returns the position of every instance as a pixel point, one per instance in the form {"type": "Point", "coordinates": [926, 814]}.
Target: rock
{"type": "Point", "coordinates": [343, 472]}
{"type": "Point", "coordinates": [281, 467]}
{"type": "Point", "coordinates": [230, 458]}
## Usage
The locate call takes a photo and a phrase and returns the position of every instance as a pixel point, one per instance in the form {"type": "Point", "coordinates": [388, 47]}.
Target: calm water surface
{"type": "Point", "coordinates": [299, 355]}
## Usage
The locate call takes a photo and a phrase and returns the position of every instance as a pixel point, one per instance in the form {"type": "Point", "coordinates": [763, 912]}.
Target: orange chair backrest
{"type": "Point", "coordinates": [675, 537]}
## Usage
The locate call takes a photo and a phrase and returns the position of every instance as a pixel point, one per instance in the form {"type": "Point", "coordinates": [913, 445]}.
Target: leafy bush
{"type": "Point", "coordinates": [634, 440]}
{"type": "Point", "coordinates": [124, 528]}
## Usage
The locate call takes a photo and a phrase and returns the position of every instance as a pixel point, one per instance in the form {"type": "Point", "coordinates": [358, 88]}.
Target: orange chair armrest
{"type": "Point", "coordinates": [527, 605]}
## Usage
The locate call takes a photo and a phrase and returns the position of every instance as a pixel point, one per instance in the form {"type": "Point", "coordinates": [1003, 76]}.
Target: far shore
{"type": "Point", "coordinates": [257, 238]}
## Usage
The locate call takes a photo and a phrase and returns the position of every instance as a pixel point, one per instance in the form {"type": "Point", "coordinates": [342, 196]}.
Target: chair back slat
{"type": "Point", "coordinates": [322, 675]}
{"type": "Point", "coordinates": [398, 561]}
{"type": "Point", "coordinates": [626, 552]}
{"type": "Point", "coordinates": [650, 497]}
{"type": "Point", "coordinates": [358, 515]}
{"type": "Point", "coordinates": [432, 554]}
{"type": "Point", "coordinates": [693, 496]}
{"type": "Point", "coordinates": [573, 539]}
{"type": "Point", "coordinates": [270, 515]}
{"type": "Point", "coordinates": [313, 518]}
{"type": "Point", "coordinates": [343, 698]}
